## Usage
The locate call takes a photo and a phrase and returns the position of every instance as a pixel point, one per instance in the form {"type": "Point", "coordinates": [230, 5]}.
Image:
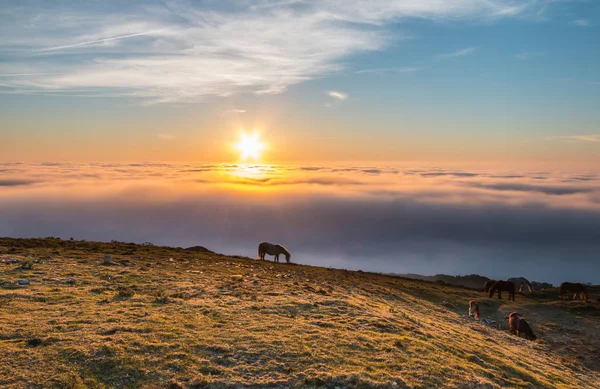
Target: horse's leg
{"type": "Point", "coordinates": [499, 294]}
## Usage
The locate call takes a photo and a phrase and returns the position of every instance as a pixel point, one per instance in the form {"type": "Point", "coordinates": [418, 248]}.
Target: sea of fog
{"type": "Point", "coordinates": [538, 224]}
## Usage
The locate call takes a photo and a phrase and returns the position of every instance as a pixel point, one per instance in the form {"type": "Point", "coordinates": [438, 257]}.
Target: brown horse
{"type": "Point", "coordinates": [273, 249]}
{"type": "Point", "coordinates": [488, 285]}
{"type": "Point", "coordinates": [518, 325]}
{"type": "Point", "coordinates": [474, 309]}
{"type": "Point", "coordinates": [505, 286]}
{"type": "Point", "coordinates": [575, 287]}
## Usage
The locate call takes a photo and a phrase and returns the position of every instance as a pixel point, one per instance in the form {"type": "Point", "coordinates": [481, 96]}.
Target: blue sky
{"type": "Point", "coordinates": [438, 78]}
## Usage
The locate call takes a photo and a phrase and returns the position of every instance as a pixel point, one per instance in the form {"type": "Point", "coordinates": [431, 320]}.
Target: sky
{"type": "Point", "coordinates": [489, 81]}
{"type": "Point", "coordinates": [409, 136]}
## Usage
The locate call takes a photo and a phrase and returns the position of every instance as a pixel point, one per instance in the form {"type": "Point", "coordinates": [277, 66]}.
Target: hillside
{"type": "Point", "coordinates": [163, 317]}
{"type": "Point", "coordinates": [472, 281]}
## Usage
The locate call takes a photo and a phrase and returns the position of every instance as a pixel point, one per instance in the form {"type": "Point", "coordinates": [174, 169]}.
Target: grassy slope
{"type": "Point", "coordinates": [205, 319]}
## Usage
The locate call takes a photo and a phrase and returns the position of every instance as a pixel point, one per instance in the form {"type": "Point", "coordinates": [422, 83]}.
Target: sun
{"type": "Point", "coordinates": [250, 146]}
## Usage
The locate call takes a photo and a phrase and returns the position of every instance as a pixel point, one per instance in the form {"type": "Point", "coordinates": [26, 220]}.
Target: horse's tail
{"type": "Point", "coordinates": [583, 293]}
{"type": "Point", "coordinates": [493, 289]}
{"type": "Point", "coordinates": [563, 289]}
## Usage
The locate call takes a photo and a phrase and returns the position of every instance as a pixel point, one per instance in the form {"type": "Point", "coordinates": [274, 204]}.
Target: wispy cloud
{"type": "Point", "coordinates": [457, 53]}
{"type": "Point", "coordinates": [238, 111]}
{"type": "Point", "coordinates": [582, 23]}
{"type": "Point", "coordinates": [405, 69]}
{"type": "Point", "coordinates": [25, 74]}
{"type": "Point", "coordinates": [97, 41]}
{"type": "Point", "coordinates": [166, 136]}
{"type": "Point", "coordinates": [338, 95]}
{"type": "Point", "coordinates": [574, 138]}
{"type": "Point", "coordinates": [187, 51]}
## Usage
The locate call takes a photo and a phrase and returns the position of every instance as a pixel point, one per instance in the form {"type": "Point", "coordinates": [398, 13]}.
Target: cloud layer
{"type": "Point", "coordinates": [380, 218]}
{"type": "Point", "coordinates": [176, 51]}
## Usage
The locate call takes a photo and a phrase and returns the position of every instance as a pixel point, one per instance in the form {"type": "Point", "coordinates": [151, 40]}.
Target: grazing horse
{"type": "Point", "coordinates": [273, 249]}
{"type": "Point", "coordinates": [522, 281]}
{"type": "Point", "coordinates": [488, 285]}
{"type": "Point", "coordinates": [474, 309]}
{"type": "Point", "coordinates": [574, 287]}
{"type": "Point", "coordinates": [518, 325]}
{"type": "Point", "coordinates": [505, 286]}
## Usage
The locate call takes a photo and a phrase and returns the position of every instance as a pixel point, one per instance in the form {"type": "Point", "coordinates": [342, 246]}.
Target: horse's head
{"type": "Point", "coordinates": [287, 256]}
{"type": "Point", "coordinates": [532, 336]}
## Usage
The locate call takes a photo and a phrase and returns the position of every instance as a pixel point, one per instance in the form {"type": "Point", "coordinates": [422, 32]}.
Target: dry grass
{"type": "Point", "coordinates": [171, 318]}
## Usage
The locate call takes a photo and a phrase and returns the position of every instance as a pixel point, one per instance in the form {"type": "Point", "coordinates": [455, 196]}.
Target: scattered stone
{"type": "Point", "coordinates": [23, 282]}
{"type": "Point", "coordinates": [107, 260]}
{"type": "Point", "coordinates": [69, 281]}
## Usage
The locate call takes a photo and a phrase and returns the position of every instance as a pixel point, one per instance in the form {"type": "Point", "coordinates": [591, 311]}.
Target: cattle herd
{"type": "Point", "coordinates": [516, 322]}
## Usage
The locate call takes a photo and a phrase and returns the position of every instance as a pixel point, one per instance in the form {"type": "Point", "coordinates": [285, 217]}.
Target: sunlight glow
{"type": "Point", "coordinates": [250, 146]}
